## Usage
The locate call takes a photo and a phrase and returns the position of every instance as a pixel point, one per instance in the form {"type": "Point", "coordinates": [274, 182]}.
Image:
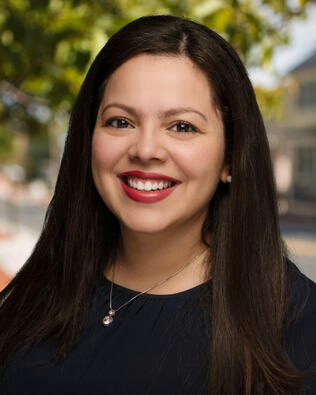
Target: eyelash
{"type": "Point", "coordinates": [186, 124]}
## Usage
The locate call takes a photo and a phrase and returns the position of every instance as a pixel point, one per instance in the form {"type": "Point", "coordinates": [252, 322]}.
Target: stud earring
{"type": "Point", "coordinates": [229, 178]}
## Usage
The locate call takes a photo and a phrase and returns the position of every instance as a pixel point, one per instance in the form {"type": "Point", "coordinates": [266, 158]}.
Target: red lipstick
{"type": "Point", "coordinates": [147, 196]}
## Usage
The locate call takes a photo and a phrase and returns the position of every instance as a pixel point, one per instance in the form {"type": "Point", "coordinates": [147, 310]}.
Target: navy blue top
{"type": "Point", "coordinates": [156, 345]}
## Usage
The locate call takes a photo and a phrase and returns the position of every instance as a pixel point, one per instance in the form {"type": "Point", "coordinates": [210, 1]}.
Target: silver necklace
{"type": "Point", "coordinates": [108, 319]}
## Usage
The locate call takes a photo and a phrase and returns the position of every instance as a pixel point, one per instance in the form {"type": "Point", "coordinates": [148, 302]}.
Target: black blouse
{"type": "Point", "coordinates": [157, 344]}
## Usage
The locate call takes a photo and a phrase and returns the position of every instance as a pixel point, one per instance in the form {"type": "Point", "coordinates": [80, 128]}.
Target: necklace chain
{"type": "Point", "coordinates": [108, 319]}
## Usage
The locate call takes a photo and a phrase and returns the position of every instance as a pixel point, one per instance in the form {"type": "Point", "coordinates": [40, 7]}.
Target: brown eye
{"type": "Point", "coordinates": [118, 123]}
{"type": "Point", "coordinates": [184, 127]}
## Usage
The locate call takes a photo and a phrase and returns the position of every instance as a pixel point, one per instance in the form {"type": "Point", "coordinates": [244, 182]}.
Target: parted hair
{"type": "Point", "coordinates": [248, 296]}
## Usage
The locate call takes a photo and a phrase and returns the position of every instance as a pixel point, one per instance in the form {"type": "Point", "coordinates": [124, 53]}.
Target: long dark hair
{"type": "Point", "coordinates": [248, 300]}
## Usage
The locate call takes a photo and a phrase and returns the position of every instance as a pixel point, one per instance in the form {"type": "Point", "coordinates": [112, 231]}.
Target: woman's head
{"type": "Point", "coordinates": [157, 116]}
{"type": "Point", "coordinates": [175, 41]}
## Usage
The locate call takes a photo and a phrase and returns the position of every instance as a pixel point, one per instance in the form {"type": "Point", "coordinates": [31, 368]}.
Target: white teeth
{"type": "Point", "coordinates": [140, 186]}
{"type": "Point", "coordinates": [147, 185]}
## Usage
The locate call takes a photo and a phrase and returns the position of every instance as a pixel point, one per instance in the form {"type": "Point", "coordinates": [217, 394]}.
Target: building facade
{"type": "Point", "coordinates": [293, 142]}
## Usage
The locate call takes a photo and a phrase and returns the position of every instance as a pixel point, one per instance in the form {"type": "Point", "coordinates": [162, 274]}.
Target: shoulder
{"type": "Point", "coordinates": [301, 294]}
{"type": "Point", "coordinates": [300, 334]}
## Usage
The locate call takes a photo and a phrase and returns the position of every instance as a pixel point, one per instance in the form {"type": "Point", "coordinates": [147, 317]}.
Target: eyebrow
{"type": "Point", "coordinates": [165, 114]}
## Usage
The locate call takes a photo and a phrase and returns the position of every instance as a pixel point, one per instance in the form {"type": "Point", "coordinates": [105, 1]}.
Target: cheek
{"type": "Point", "coordinates": [105, 153]}
{"type": "Point", "coordinates": [203, 161]}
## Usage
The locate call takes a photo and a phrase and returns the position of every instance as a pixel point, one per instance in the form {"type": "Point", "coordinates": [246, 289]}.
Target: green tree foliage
{"type": "Point", "coordinates": [46, 46]}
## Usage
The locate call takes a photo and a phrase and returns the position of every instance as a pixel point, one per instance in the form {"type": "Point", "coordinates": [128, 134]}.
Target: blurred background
{"type": "Point", "coordinates": [46, 47]}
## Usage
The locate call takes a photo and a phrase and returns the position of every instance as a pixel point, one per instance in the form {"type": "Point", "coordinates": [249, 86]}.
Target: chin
{"type": "Point", "coordinates": [146, 225]}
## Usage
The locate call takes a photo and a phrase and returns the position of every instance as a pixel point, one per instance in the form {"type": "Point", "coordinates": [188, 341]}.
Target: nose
{"type": "Point", "coordinates": [147, 145]}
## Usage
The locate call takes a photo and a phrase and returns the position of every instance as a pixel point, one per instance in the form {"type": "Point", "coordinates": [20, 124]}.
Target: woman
{"type": "Point", "coordinates": [160, 268]}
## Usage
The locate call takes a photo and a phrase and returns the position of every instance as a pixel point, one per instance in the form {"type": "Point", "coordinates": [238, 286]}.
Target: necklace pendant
{"type": "Point", "coordinates": [108, 319]}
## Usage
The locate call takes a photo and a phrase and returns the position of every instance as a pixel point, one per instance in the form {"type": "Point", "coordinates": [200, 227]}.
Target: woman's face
{"type": "Point", "coordinates": [157, 116]}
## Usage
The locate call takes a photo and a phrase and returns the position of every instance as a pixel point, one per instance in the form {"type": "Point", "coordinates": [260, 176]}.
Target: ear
{"type": "Point", "coordinates": [225, 173]}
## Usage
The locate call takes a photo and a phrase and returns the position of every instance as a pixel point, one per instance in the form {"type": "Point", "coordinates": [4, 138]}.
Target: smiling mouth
{"type": "Point", "coordinates": [146, 185]}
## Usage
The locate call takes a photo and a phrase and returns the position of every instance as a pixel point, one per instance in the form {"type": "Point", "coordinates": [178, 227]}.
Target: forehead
{"type": "Point", "coordinates": [159, 80]}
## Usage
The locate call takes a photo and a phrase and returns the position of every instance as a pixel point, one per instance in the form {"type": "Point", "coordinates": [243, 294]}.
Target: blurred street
{"type": "Point", "coordinates": [20, 225]}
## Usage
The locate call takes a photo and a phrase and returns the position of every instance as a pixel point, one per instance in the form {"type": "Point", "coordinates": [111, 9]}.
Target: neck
{"type": "Point", "coordinates": [149, 258]}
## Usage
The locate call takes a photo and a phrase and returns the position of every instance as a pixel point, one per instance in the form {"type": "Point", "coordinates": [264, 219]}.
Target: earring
{"type": "Point", "coordinates": [229, 178]}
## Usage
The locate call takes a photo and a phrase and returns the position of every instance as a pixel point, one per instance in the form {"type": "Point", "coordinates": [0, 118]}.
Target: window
{"type": "Point", "coordinates": [305, 174]}
{"type": "Point", "coordinates": [307, 95]}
